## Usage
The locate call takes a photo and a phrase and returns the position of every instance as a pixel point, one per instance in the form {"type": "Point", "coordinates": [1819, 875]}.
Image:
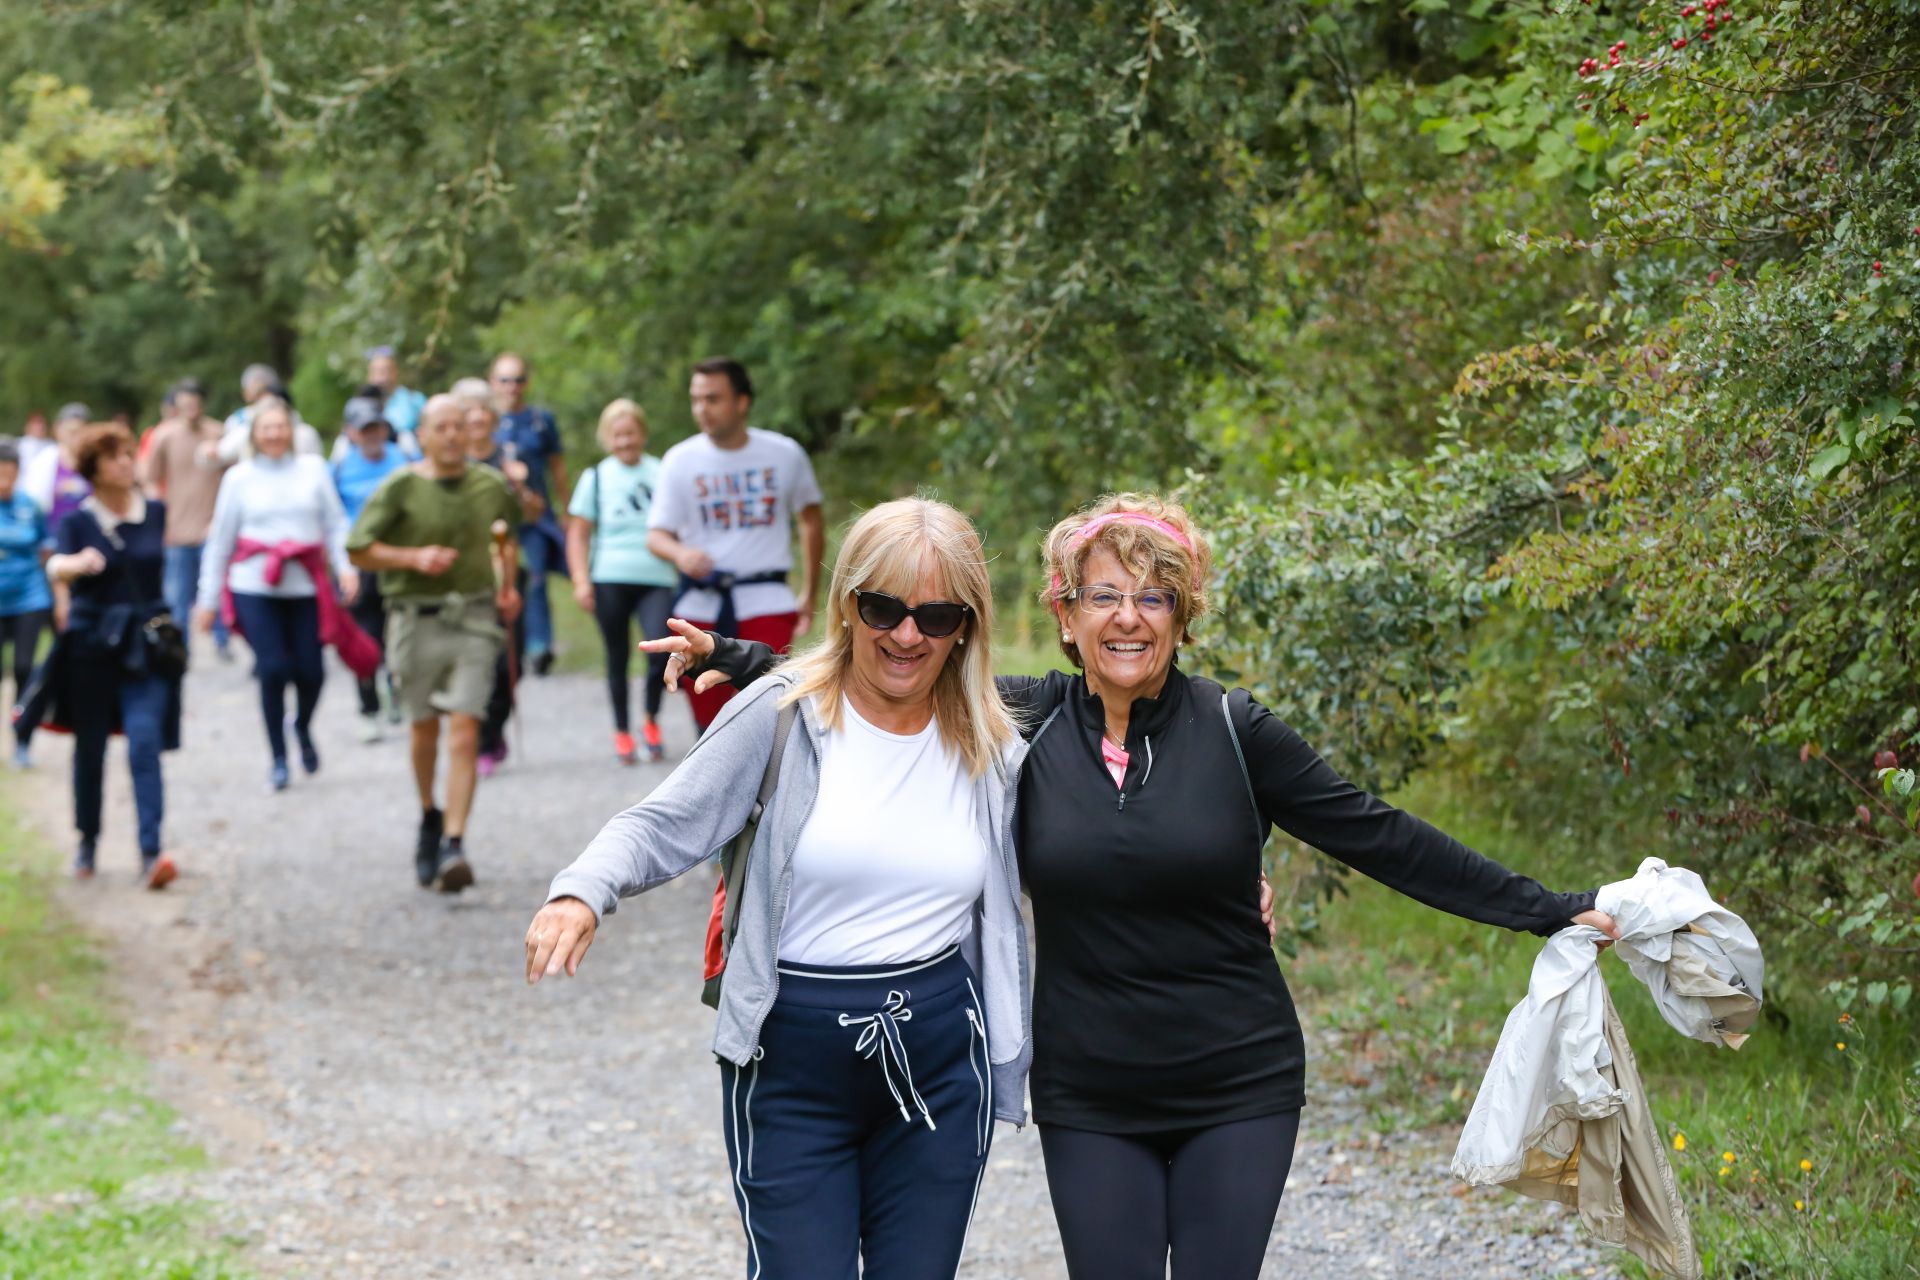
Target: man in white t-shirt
{"type": "Point", "coordinates": [724, 514]}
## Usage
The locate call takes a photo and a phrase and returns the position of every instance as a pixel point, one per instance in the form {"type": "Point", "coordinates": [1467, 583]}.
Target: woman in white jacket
{"type": "Point", "coordinates": [278, 527]}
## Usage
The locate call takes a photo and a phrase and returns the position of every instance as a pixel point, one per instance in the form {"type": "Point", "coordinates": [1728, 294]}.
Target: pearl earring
{"type": "Point", "coordinates": [963, 639]}
{"type": "Point", "coordinates": [845, 625]}
{"type": "Point", "coordinates": [1066, 637]}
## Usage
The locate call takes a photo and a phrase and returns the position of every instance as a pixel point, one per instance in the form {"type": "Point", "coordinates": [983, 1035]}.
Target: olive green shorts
{"type": "Point", "coordinates": [442, 657]}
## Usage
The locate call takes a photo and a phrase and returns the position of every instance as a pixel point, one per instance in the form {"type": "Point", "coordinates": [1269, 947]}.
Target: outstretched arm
{"type": "Point", "coordinates": [1303, 795]}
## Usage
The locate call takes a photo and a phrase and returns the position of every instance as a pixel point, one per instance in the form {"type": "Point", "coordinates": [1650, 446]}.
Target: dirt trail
{"type": "Point", "coordinates": [382, 1096]}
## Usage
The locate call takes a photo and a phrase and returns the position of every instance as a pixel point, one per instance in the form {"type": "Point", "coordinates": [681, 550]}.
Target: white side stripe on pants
{"type": "Point", "coordinates": [746, 1214]}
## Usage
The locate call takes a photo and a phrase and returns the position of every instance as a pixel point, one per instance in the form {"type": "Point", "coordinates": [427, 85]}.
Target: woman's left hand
{"type": "Point", "coordinates": [1603, 922]}
{"type": "Point", "coordinates": [349, 585]}
{"type": "Point", "coordinates": [1266, 908]}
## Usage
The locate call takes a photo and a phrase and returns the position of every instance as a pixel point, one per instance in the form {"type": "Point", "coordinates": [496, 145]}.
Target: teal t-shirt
{"type": "Point", "coordinates": [617, 498]}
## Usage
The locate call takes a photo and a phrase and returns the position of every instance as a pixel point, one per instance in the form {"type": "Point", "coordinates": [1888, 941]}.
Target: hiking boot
{"type": "Point", "coordinates": [542, 662]}
{"type": "Point", "coordinates": [277, 776]}
{"type": "Point", "coordinates": [656, 749]}
{"type": "Point", "coordinates": [83, 859]}
{"type": "Point", "coordinates": [624, 748]}
{"type": "Point", "coordinates": [452, 874]}
{"type": "Point", "coordinates": [157, 870]}
{"type": "Point", "coordinates": [426, 849]}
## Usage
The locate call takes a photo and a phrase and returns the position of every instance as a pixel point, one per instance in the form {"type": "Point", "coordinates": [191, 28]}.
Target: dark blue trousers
{"type": "Point", "coordinates": [860, 1131]}
{"type": "Point", "coordinates": [284, 634]}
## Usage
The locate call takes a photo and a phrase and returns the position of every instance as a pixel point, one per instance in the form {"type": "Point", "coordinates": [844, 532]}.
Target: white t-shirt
{"type": "Point", "coordinates": [892, 859]}
{"type": "Point", "coordinates": [738, 506]}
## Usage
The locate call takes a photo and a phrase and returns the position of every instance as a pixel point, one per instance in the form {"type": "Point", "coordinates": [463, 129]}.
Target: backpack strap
{"type": "Point", "coordinates": [1240, 758]}
{"type": "Point", "coordinates": [734, 856]}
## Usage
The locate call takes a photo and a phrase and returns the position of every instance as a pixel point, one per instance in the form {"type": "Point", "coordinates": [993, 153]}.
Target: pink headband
{"type": "Point", "coordinates": [1085, 532]}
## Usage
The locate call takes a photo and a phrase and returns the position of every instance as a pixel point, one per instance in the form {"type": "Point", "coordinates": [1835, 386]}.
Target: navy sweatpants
{"type": "Point", "coordinates": [861, 1129]}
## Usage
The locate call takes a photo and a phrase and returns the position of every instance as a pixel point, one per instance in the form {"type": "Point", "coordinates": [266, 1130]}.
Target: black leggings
{"type": "Point", "coordinates": [615, 606]}
{"type": "Point", "coordinates": [22, 631]}
{"type": "Point", "coordinates": [284, 634]}
{"type": "Point", "coordinates": [369, 609]}
{"type": "Point", "coordinates": [1208, 1196]}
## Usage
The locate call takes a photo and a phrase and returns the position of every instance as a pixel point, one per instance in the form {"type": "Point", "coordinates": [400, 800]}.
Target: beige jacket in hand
{"type": "Point", "coordinates": [1562, 1114]}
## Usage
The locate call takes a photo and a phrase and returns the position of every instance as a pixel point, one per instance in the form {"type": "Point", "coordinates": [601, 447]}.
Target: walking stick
{"type": "Point", "coordinates": [500, 534]}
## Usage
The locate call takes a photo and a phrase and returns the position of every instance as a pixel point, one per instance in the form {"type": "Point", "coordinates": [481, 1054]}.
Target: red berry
{"type": "Point", "coordinates": [1687, 12]}
{"type": "Point", "coordinates": [1886, 760]}
{"type": "Point", "coordinates": [1680, 42]}
{"type": "Point", "coordinates": [1863, 813]}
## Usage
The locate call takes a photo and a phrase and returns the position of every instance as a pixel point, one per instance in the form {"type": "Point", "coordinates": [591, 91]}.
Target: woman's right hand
{"type": "Point", "coordinates": [203, 621]}
{"type": "Point", "coordinates": [558, 938]}
{"type": "Point", "coordinates": [85, 562]}
{"type": "Point", "coordinates": [687, 649]}
{"type": "Point", "coordinates": [583, 595]}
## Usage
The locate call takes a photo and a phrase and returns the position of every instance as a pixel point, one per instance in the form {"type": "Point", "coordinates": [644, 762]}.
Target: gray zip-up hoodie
{"type": "Point", "coordinates": [706, 802]}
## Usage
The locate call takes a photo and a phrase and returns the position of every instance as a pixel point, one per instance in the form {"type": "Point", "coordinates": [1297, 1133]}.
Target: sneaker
{"type": "Point", "coordinates": [83, 860]}
{"type": "Point", "coordinates": [624, 748]}
{"type": "Point", "coordinates": [370, 730]}
{"type": "Point", "coordinates": [22, 756]}
{"type": "Point", "coordinates": [277, 776]}
{"type": "Point", "coordinates": [542, 662]}
{"type": "Point", "coordinates": [309, 756]}
{"type": "Point", "coordinates": [490, 761]}
{"type": "Point", "coordinates": [157, 870]}
{"type": "Point", "coordinates": [452, 874]}
{"type": "Point", "coordinates": [650, 734]}
{"type": "Point", "coordinates": [426, 848]}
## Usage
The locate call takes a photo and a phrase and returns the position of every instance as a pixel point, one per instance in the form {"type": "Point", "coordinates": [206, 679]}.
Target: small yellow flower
{"type": "Point", "coordinates": [1841, 1045]}
{"type": "Point", "coordinates": [1806, 1166]}
{"type": "Point", "coordinates": [1724, 1171]}
{"type": "Point", "coordinates": [1799, 1205]}
{"type": "Point", "coordinates": [1727, 1156]}
{"type": "Point", "coordinates": [1679, 1142]}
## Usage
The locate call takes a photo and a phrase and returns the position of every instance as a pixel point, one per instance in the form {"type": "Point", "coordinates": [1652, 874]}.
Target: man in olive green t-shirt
{"type": "Point", "coordinates": [429, 532]}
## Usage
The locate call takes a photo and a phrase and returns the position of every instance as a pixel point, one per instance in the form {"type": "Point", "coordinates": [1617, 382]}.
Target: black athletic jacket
{"type": "Point", "coordinates": [1158, 1002]}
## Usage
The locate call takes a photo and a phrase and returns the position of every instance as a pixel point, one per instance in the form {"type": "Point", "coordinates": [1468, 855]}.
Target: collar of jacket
{"type": "Point", "coordinates": [1149, 715]}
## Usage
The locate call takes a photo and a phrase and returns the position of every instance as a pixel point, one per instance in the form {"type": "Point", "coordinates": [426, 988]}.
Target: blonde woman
{"type": "Point", "coordinates": [872, 1018]}
{"type": "Point", "coordinates": [1169, 1066]}
{"type": "Point", "coordinates": [615, 577]}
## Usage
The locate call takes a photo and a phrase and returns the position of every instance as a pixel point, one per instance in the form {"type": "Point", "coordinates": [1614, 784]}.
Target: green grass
{"type": "Point", "coordinates": [77, 1134]}
{"type": "Point", "coordinates": [1417, 999]}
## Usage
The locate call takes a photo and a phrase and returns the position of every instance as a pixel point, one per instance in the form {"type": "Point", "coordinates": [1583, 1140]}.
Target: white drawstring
{"type": "Point", "coordinates": [880, 1037]}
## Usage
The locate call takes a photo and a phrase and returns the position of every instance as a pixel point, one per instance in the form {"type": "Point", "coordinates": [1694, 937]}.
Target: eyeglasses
{"type": "Point", "coordinates": [512, 381]}
{"type": "Point", "coordinates": [937, 619]}
{"type": "Point", "coordinates": [1152, 601]}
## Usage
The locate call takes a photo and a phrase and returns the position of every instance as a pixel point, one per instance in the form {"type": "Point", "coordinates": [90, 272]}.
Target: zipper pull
{"type": "Point", "coordinates": [1123, 803]}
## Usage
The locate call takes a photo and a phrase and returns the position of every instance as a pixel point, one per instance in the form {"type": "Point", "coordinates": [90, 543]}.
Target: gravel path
{"type": "Point", "coordinates": [382, 1096]}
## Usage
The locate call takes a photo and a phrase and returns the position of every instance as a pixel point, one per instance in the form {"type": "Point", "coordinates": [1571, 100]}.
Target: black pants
{"type": "Point", "coordinates": [369, 609]}
{"type": "Point", "coordinates": [284, 634]}
{"type": "Point", "coordinates": [1208, 1196]}
{"type": "Point", "coordinates": [493, 726]}
{"type": "Point", "coordinates": [616, 606]}
{"type": "Point", "coordinates": [22, 631]}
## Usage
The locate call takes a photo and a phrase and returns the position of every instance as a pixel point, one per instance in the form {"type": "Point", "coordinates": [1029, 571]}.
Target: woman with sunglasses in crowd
{"type": "Point", "coordinates": [879, 946]}
{"type": "Point", "coordinates": [1169, 1064]}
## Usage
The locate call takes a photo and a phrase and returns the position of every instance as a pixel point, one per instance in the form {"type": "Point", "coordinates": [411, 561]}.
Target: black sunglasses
{"type": "Point", "coordinates": [937, 619]}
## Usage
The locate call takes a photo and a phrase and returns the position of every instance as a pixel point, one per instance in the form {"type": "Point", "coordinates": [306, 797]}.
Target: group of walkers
{"type": "Point", "coordinates": [884, 799]}
{"type": "Point", "coordinates": [418, 547]}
